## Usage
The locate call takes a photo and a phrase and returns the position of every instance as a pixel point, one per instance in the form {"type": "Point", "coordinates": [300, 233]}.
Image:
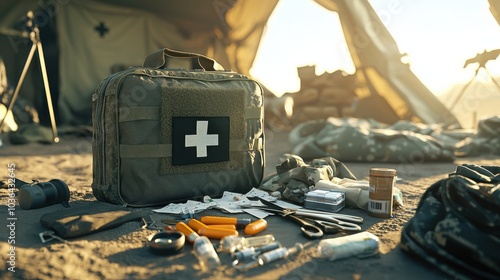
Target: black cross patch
{"type": "Point", "coordinates": [102, 29]}
{"type": "Point", "coordinates": [200, 140]}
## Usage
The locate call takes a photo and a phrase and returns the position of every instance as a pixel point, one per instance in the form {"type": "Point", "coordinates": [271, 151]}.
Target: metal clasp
{"type": "Point", "coordinates": [51, 236]}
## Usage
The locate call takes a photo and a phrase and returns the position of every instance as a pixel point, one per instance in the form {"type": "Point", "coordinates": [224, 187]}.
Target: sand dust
{"type": "Point", "coordinates": [121, 253]}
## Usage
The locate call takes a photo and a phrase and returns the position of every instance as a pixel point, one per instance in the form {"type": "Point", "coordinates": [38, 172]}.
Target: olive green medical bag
{"type": "Point", "coordinates": [163, 135]}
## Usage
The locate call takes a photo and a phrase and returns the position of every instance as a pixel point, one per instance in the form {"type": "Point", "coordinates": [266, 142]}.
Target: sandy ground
{"type": "Point", "coordinates": [121, 253]}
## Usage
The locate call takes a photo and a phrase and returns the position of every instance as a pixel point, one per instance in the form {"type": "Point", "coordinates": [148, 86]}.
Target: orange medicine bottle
{"type": "Point", "coordinates": [380, 199]}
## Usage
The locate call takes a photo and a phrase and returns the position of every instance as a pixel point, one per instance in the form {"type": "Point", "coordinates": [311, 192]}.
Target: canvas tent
{"type": "Point", "coordinates": [385, 80]}
{"type": "Point", "coordinates": [94, 38]}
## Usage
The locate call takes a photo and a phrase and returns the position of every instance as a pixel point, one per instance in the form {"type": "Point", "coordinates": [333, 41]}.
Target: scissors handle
{"type": "Point", "coordinates": [326, 227]}
{"type": "Point", "coordinates": [309, 230]}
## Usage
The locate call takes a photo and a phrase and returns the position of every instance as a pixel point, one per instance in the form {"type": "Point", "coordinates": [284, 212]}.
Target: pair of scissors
{"type": "Point", "coordinates": [318, 217]}
{"type": "Point", "coordinates": [329, 220]}
{"type": "Point", "coordinates": [342, 217]}
{"type": "Point", "coordinates": [309, 230]}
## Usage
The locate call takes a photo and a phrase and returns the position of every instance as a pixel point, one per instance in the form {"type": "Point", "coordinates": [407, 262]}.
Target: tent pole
{"type": "Point", "coordinates": [463, 91]}
{"type": "Point", "coordinates": [47, 92]}
{"type": "Point", "coordinates": [492, 78]}
{"type": "Point", "coordinates": [19, 84]}
{"type": "Point", "coordinates": [469, 83]}
{"type": "Point", "coordinates": [37, 45]}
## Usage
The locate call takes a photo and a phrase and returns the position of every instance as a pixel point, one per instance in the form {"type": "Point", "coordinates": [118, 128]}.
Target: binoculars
{"type": "Point", "coordinates": [40, 194]}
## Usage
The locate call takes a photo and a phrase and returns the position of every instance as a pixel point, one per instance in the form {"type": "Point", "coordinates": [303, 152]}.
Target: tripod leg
{"type": "Point", "coordinates": [19, 84]}
{"type": "Point", "coordinates": [463, 91]}
{"type": "Point", "coordinates": [47, 92]}
{"type": "Point", "coordinates": [492, 78]}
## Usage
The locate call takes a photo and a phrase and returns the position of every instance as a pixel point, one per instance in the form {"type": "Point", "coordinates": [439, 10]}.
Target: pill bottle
{"type": "Point", "coordinates": [380, 197]}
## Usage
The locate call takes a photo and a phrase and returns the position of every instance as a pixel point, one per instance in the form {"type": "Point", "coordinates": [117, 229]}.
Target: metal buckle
{"type": "Point", "coordinates": [52, 235]}
{"type": "Point", "coordinates": [149, 223]}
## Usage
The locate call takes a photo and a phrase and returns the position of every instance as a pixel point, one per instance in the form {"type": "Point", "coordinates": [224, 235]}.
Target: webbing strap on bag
{"type": "Point", "coordinates": [165, 150]}
{"type": "Point", "coordinates": [128, 114]}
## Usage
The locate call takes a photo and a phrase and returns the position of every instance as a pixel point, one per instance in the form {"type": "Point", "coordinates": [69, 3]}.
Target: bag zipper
{"type": "Point", "coordinates": [100, 120]}
{"type": "Point", "coordinates": [100, 127]}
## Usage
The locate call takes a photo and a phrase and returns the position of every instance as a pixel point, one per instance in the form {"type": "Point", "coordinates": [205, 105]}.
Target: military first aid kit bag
{"type": "Point", "coordinates": [163, 134]}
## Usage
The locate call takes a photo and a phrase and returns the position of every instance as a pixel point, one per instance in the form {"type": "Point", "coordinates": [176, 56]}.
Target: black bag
{"type": "Point", "coordinates": [84, 220]}
{"type": "Point", "coordinates": [456, 226]}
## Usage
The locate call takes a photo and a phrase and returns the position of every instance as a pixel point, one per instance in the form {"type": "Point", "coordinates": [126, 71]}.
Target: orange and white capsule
{"type": "Point", "coordinates": [215, 220]}
{"type": "Point", "coordinates": [217, 233]}
{"type": "Point", "coordinates": [255, 227]}
{"type": "Point", "coordinates": [233, 227]}
{"type": "Point", "coordinates": [190, 234]}
{"type": "Point", "coordinates": [196, 225]}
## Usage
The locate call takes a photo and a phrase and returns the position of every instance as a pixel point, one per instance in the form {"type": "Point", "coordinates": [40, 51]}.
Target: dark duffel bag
{"type": "Point", "coordinates": [457, 224]}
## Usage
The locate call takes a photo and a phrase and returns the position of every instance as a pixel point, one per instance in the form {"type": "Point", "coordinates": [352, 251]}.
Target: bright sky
{"type": "Point", "coordinates": [438, 36]}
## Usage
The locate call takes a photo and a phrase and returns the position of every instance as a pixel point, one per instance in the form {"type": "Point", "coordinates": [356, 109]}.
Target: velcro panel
{"type": "Point", "coordinates": [202, 102]}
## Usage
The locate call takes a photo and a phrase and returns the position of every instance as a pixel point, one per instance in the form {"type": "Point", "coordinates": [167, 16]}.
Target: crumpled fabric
{"type": "Point", "coordinates": [456, 226]}
{"type": "Point", "coordinates": [360, 140]}
{"type": "Point", "coordinates": [486, 141]}
{"type": "Point", "coordinates": [295, 178]}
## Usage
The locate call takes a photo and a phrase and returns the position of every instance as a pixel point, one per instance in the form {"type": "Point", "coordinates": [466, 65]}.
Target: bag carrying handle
{"type": "Point", "coordinates": [159, 59]}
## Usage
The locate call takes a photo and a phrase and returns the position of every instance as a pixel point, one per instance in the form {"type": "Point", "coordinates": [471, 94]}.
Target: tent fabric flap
{"type": "Point", "coordinates": [98, 38]}
{"type": "Point", "coordinates": [93, 36]}
{"type": "Point", "coordinates": [377, 59]}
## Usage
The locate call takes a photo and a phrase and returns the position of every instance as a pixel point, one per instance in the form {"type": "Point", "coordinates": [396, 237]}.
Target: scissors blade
{"type": "Point", "coordinates": [320, 215]}
{"type": "Point", "coordinates": [343, 225]}
{"type": "Point", "coordinates": [344, 217]}
{"type": "Point", "coordinates": [279, 205]}
{"type": "Point", "coordinates": [309, 230]}
{"type": "Point", "coordinates": [299, 209]}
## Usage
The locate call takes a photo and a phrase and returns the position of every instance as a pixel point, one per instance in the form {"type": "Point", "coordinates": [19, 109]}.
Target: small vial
{"type": "Point", "coordinates": [251, 252]}
{"type": "Point", "coordinates": [280, 253]}
{"type": "Point", "coordinates": [257, 241]}
{"type": "Point", "coordinates": [234, 242]}
{"type": "Point", "coordinates": [230, 243]}
{"type": "Point", "coordinates": [205, 253]}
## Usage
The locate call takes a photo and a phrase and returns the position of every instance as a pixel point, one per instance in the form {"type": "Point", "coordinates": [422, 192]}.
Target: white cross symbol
{"type": "Point", "coordinates": [201, 140]}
